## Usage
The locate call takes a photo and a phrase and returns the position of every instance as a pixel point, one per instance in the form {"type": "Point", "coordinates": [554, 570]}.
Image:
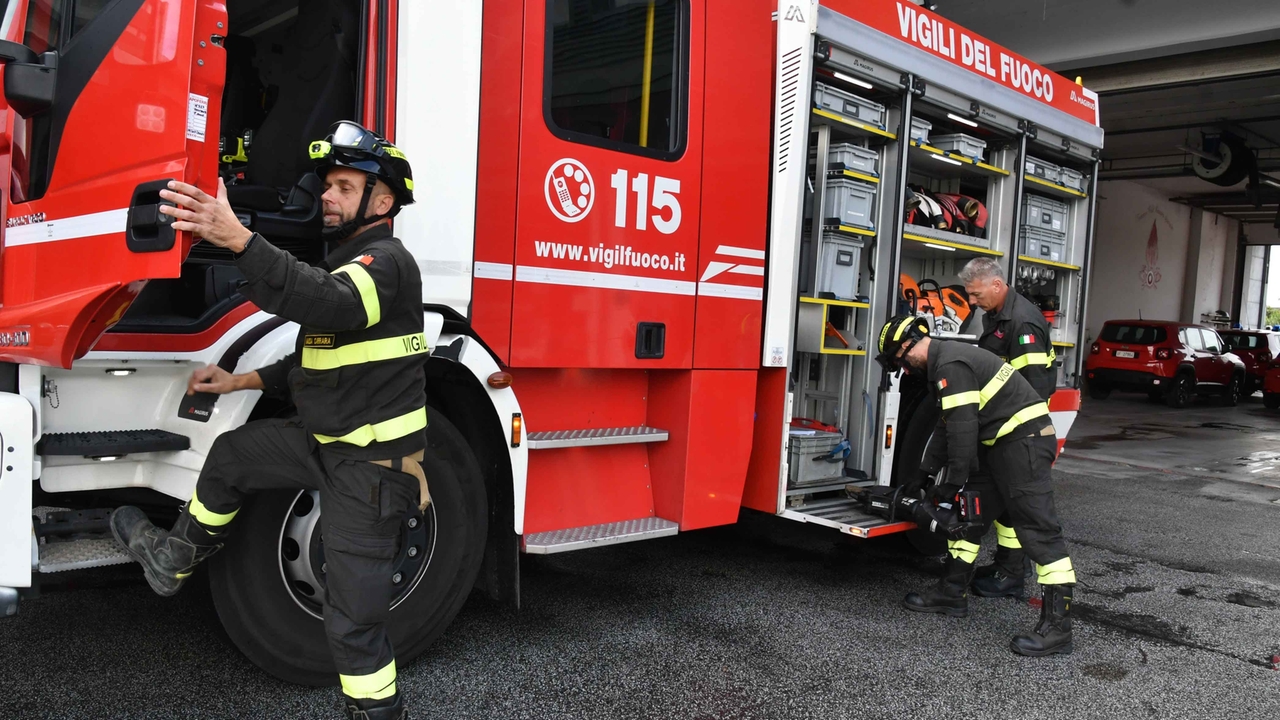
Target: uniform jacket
{"type": "Point", "coordinates": [1019, 334]}
{"type": "Point", "coordinates": [356, 374]}
{"type": "Point", "coordinates": [983, 399]}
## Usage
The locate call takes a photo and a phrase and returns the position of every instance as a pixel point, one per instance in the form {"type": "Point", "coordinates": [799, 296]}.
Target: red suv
{"type": "Point", "coordinates": [1167, 360]}
{"type": "Point", "coordinates": [1257, 348]}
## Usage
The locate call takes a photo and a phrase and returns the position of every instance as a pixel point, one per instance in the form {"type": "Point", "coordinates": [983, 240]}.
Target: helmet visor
{"type": "Point", "coordinates": [352, 136]}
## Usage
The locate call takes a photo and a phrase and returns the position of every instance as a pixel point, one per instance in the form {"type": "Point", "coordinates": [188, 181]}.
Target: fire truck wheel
{"type": "Point", "coordinates": [1271, 400]}
{"type": "Point", "coordinates": [268, 582]}
{"type": "Point", "coordinates": [921, 418]}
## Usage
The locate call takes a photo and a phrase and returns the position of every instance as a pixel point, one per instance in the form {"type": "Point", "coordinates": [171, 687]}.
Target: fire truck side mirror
{"type": "Point", "coordinates": [29, 80]}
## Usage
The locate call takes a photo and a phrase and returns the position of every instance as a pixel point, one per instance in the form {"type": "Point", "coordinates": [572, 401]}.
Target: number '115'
{"type": "Point", "coordinates": [664, 198]}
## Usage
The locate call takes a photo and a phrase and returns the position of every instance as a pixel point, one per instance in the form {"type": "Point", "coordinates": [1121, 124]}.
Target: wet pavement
{"type": "Point", "coordinates": [1178, 616]}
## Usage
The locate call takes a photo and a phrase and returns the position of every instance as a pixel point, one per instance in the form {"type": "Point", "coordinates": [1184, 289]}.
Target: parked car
{"type": "Point", "coordinates": [1257, 348]}
{"type": "Point", "coordinates": [1271, 386]}
{"type": "Point", "coordinates": [1169, 361]}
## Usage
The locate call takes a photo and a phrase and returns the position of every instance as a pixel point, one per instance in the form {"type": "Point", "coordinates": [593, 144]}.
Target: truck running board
{"type": "Point", "coordinates": [112, 443]}
{"type": "Point", "coordinates": [599, 436]}
{"type": "Point", "coordinates": [80, 554]}
{"type": "Point", "coordinates": [845, 515]}
{"type": "Point", "coordinates": [615, 533]}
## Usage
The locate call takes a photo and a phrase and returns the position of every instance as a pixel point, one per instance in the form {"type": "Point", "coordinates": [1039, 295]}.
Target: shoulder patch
{"type": "Point", "coordinates": [365, 260]}
{"type": "Point", "coordinates": [942, 384]}
{"type": "Point", "coordinates": [1027, 339]}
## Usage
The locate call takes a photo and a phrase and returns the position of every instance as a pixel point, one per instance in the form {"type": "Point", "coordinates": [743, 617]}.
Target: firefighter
{"type": "Point", "coordinates": [991, 418]}
{"type": "Point", "coordinates": [357, 379]}
{"type": "Point", "coordinates": [1014, 329]}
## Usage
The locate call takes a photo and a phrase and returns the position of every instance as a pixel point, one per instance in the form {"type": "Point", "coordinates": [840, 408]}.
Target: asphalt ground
{"type": "Point", "coordinates": [1177, 616]}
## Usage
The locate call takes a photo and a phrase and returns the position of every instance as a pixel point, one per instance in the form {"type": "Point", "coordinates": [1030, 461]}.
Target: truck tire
{"type": "Point", "coordinates": [1232, 390]}
{"type": "Point", "coordinates": [1271, 401]}
{"type": "Point", "coordinates": [1181, 391]}
{"type": "Point", "coordinates": [921, 420]}
{"type": "Point", "coordinates": [278, 625]}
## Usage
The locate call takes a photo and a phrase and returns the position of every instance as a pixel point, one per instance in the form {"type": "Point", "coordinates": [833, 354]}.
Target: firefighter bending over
{"type": "Point", "coordinates": [993, 419]}
{"type": "Point", "coordinates": [357, 380]}
{"type": "Point", "coordinates": [1015, 330]}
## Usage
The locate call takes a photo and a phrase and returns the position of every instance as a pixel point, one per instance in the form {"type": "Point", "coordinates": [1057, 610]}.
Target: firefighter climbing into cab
{"type": "Point", "coordinates": [357, 380]}
{"type": "Point", "coordinates": [1015, 330]}
{"type": "Point", "coordinates": [995, 438]}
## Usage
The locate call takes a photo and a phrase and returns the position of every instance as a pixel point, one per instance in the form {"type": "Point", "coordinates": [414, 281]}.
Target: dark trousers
{"type": "Point", "coordinates": [1016, 484]}
{"type": "Point", "coordinates": [362, 506]}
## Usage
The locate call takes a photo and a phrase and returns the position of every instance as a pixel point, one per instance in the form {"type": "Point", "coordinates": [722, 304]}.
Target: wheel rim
{"type": "Point", "coordinates": [1235, 390]}
{"type": "Point", "coordinates": [1184, 389]}
{"type": "Point", "coordinates": [301, 553]}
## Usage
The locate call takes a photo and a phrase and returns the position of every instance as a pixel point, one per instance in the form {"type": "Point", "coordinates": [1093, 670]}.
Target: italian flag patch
{"type": "Point", "coordinates": [942, 384]}
{"type": "Point", "coordinates": [1026, 339]}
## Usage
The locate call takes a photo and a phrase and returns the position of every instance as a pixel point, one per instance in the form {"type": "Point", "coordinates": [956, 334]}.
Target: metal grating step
{"type": "Point", "coordinates": [599, 436]}
{"type": "Point", "coordinates": [557, 541]}
{"type": "Point", "coordinates": [846, 515]}
{"type": "Point", "coordinates": [80, 554]}
{"type": "Point", "coordinates": [112, 443]}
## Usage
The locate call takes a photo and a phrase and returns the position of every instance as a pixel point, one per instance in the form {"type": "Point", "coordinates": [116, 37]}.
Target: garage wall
{"type": "Point", "coordinates": [1140, 256]}
{"type": "Point", "coordinates": [1211, 237]}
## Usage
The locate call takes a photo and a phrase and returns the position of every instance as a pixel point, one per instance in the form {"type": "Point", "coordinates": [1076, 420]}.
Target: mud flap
{"type": "Point", "coordinates": [16, 446]}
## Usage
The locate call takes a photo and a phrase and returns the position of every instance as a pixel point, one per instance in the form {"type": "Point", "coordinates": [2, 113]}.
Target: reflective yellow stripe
{"type": "Point", "coordinates": [374, 686]}
{"type": "Point", "coordinates": [394, 152]}
{"type": "Point", "coordinates": [1024, 415]}
{"type": "Point", "coordinates": [1006, 537]}
{"type": "Point", "coordinates": [1045, 359]}
{"type": "Point", "coordinates": [993, 386]}
{"type": "Point", "coordinates": [207, 517]}
{"type": "Point", "coordinates": [1057, 573]}
{"type": "Point", "coordinates": [364, 352]}
{"type": "Point", "coordinates": [963, 550]}
{"type": "Point", "coordinates": [384, 431]}
{"type": "Point", "coordinates": [960, 398]}
{"type": "Point", "coordinates": [368, 291]}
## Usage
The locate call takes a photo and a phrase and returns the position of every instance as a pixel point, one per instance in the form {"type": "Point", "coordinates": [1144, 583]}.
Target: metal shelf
{"type": "Point", "coordinates": [948, 164]}
{"type": "Point", "coordinates": [841, 303]}
{"type": "Point", "coordinates": [1062, 191]}
{"type": "Point", "coordinates": [959, 248]}
{"type": "Point", "coordinates": [850, 127]}
{"type": "Point", "coordinates": [1050, 263]}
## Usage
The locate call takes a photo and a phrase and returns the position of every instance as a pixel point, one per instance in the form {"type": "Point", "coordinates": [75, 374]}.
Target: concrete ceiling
{"type": "Point", "coordinates": [1068, 34]}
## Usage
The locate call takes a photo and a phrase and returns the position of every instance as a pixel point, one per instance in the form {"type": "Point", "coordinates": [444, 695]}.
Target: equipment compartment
{"type": "Point", "coordinates": [848, 105]}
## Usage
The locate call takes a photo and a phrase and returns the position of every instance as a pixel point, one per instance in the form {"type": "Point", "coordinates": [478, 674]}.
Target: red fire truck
{"type": "Point", "coordinates": [656, 238]}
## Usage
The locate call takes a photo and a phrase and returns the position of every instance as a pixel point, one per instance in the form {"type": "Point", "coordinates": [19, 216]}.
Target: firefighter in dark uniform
{"type": "Point", "coordinates": [993, 418]}
{"type": "Point", "coordinates": [1015, 330]}
{"type": "Point", "coordinates": [357, 380]}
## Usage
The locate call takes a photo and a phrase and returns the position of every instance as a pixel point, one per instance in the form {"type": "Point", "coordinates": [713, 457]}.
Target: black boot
{"type": "Point", "coordinates": [391, 708]}
{"type": "Point", "coordinates": [1053, 632]}
{"type": "Point", "coordinates": [949, 597]}
{"type": "Point", "coordinates": [167, 558]}
{"type": "Point", "coordinates": [1005, 577]}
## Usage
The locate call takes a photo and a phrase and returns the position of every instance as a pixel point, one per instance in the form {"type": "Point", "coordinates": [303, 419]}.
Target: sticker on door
{"type": "Point", "coordinates": [570, 190]}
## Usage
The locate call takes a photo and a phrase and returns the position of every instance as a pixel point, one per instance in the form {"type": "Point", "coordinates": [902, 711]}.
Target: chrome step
{"type": "Point", "coordinates": [615, 533]}
{"type": "Point", "coordinates": [599, 436]}
{"type": "Point", "coordinates": [80, 554]}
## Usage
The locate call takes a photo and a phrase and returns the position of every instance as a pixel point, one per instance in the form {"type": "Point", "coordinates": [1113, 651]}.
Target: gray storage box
{"type": "Point", "coordinates": [839, 262]}
{"type": "Point", "coordinates": [1043, 245]}
{"type": "Point", "coordinates": [966, 145]}
{"type": "Point", "coordinates": [804, 470]}
{"type": "Point", "coordinates": [850, 202]}
{"type": "Point", "coordinates": [920, 130]}
{"type": "Point", "coordinates": [848, 105]}
{"type": "Point", "coordinates": [1073, 179]}
{"type": "Point", "coordinates": [1044, 169]}
{"type": "Point", "coordinates": [1043, 213]}
{"type": "Point", "coordinates": [847, 156]}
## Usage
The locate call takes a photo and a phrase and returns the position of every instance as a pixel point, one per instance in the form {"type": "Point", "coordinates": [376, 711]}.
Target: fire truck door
{"type": "Point", "coordinates": [110, 100]}
{"type": "Point", "coordinates": [610, 174]}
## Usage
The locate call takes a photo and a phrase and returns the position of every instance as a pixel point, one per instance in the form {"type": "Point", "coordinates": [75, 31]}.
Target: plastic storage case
{"type": "Point", "coordinates": [804, 467]}
{"type": "Point", "coordinates": [1044, 245]}
{"type": "Point", "coordinates": [1044, 169]}
{"type": "Point", "coordinates": [966, 145]}
{"type": "Point", "coordinates": [839, 262]}
{"type": "Point", "coordinates": [920, 130]}
{"type": "Point", "coordinates": [850, 202]}
{"type": "Point", "coordinates": [848, 156]}
{"type": "Point", "coordinates": [1073, 179]}
{"type": "Point", "coordinates": [848, 105]}
{"type": "Point", "coordinates": [1045, 214]}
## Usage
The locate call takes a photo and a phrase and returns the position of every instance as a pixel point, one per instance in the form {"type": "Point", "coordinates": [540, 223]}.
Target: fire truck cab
{"type": "Point", "coordinates": [655, 236]}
